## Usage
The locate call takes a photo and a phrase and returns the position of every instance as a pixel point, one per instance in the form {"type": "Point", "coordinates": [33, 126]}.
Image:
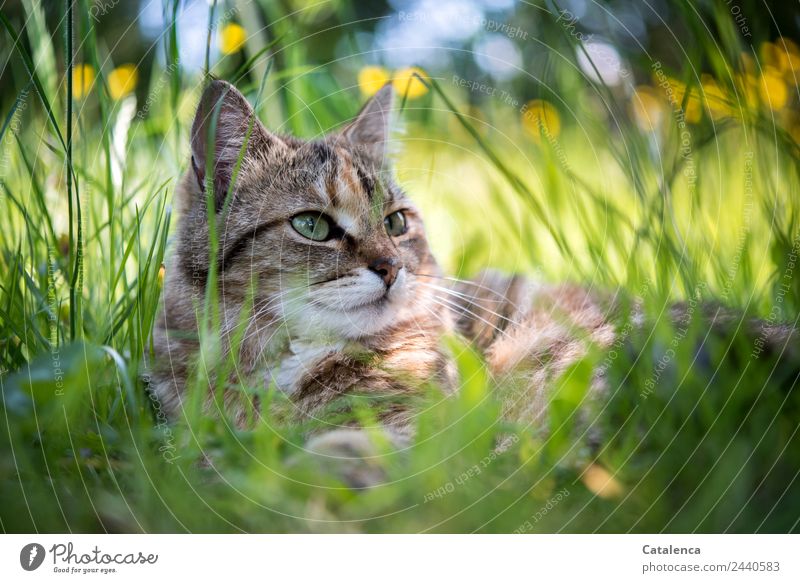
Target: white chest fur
{"type": "Point", "coordinates": [300, 361]}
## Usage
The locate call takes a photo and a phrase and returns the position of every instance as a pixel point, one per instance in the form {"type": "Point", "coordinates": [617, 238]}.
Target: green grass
{"type": "Point", "coordinates": [693, 444]}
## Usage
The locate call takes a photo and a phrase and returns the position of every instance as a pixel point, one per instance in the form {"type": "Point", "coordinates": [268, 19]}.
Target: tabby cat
{"type": "Point", "coordinates": [348, 298]}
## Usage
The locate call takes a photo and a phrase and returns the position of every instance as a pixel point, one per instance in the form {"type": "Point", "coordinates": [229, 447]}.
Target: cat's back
{"type": "Point", "coordinates": [528, 331]}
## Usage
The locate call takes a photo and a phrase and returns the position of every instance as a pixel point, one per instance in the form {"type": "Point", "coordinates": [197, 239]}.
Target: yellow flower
{"type": "Point", "coordinates": [122, 81]}
{"type": "Point", "coordinates": [783, 55]}
{"type": "Point", "coordinates": [232, 38]}
{"type": "Point", "coordinates": [372, 78]}
{"type": "Point", "coordinates": [715, 99]}
{"type": "Point", "coordinates": [677, 87]}
{"type": "Point", "coordinates": [769, 54]}
{"type": "Point", "coordinates": [540, 117]}
{"type": "Point", "coordinates": [788, 57]}
{"type": "Point", "coordinates": [692, 109]}
{"type": "Point", "coordinates": [747, 85]}
{"type": "Point", "coordinates": [598, 480]}
{"type": "Point", "coordinates": [772, 89]}
{"type": "Point", "coordinates": [82, 80]}
{"type": "Point", "coordinates": [647, 108]}
{"type": "Point", "coordinates": [407, 84]}
{"type": "Point", "coordinates": [161, 272]}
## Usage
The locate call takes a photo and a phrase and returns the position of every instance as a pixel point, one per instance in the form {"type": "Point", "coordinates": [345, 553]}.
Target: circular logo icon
{"type": "Point", "coordinates": [31, 556]}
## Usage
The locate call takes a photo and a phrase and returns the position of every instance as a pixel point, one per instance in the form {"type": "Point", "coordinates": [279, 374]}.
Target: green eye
{"type": "Point", "coordinates": [314, 226]}
{"type": "Point", "coordinates": [395, 224]}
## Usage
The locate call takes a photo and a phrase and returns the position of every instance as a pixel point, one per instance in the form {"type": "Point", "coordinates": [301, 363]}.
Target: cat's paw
{"type": "Point", "coordinates": [348, 454]}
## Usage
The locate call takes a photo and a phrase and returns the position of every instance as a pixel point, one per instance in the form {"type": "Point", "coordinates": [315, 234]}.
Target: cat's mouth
{"type": "Point", "coordinates": [358, 305]}
{"type": "Point", "coordinates": [382, 297]}
{"type": "Point", "coordinates": [375, 308]}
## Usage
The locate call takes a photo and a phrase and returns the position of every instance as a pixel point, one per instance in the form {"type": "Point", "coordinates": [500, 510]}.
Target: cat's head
{"type": "Point", "coordinates": [331, 243]}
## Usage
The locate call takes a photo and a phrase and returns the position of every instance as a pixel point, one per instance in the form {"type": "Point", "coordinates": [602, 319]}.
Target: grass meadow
{"type": "Point", "coordinates": [677, 181]}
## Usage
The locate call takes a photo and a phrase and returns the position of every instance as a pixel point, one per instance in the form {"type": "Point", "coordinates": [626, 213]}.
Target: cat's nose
{"type": "Point", "coordinates": [386, 268]}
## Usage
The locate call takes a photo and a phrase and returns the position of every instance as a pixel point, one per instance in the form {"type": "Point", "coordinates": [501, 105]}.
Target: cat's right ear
{"type": "Point", "coordinates": [371, 131]}
{"type": "Point", "coordinates": [219, 132]}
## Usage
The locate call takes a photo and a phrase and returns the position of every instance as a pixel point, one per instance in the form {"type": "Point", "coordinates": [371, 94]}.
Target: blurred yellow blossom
{"type": "Point", "coordinates": [747, 85]}
{"type": "Point", "coordinates": [161, 272]}
{"type": "Point", "coordinates": [769, 54]}
{"type": "Point", "coordinates": [648, 108]}
{"type": "Point", "coordinates": [788, 56]}
{"type": "Point", "coordinates": [407, 84]}
{"type": "Point", "coordinates": [715, 99]}
{"type": "Point", "coordinates": [372, 78]}
{"type": "Point", "coordinates": [122, 81]}
{"type": "Point", "coordinates": [82, 80]}
{"type": "Point", "coordinates": [540, 117]}
{"type": "Point", "coordinates": [599, 481]}
{"type": "Point", "coordinates": [782, 55]}
{"type": "Point", "coordinates": [692, 109]}
{"type": "Point", "coordinates": [232, 38]}
{"type": "Point", "coordinates": [772, 89]}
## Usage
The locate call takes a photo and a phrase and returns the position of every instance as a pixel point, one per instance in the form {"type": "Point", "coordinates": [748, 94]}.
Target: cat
{"type": "Point", "coordinates": [336, 307]}
{"type": "Point", "coordinates": [347, 296]}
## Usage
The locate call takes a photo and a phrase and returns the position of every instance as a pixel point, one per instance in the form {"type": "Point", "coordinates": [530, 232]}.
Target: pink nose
{"type": "Point", "coordinates": [386, 268]}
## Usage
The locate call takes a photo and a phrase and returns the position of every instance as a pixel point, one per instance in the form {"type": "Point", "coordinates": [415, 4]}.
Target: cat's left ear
{"type": "Point", "coordinates": [370, 132]}
{"type": "Point", "coordinates": [224, 126]}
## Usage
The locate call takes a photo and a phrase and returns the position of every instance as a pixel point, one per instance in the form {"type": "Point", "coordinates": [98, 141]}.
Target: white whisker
{"type": "Point", "coordinates": [475, 303]}
{"type": "Point", "coordinates": [464, 281]}
{"type": "Point", "coordinates": [444, 303]}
